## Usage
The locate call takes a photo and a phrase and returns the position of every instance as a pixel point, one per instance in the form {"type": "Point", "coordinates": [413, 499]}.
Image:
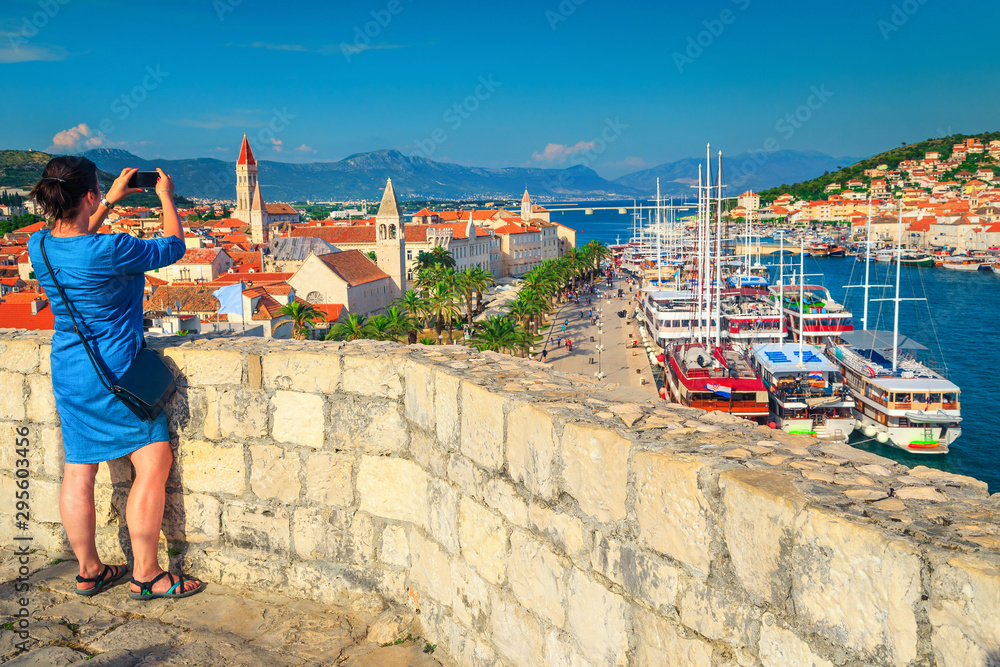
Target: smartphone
{"type": "Point", "coordinates": [143, 179]}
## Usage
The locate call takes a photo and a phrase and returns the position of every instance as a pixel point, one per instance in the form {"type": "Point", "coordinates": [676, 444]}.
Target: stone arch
{"type": "Point", "coordinates": [392, 231]}
{"type": "Point", "coordinates": [314, 297]}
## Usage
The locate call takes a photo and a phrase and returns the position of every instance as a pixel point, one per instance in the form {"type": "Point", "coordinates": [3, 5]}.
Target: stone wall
{"type": "Point", "coordinates": [534, 517]}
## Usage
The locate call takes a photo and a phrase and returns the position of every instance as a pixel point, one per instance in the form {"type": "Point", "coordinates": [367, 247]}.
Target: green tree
{"type": "Point", "coordinates": [414, 307]}
{"type": "Point", "coordinates": [442, 301]}
{"type": "Point", "coordinates": [302, 316]}
{"type": "Point", "coordinates": [355, 327]}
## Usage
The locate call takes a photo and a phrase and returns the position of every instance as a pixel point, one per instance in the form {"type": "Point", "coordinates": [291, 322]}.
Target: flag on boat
{"type": "Point", "coordinates": [720, 389]}
{"type": "Point", "coordinates": [815, 375]}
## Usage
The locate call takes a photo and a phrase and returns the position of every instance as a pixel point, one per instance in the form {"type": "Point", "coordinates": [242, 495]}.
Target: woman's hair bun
{"type": "Point", "coordinates": [64, 183]}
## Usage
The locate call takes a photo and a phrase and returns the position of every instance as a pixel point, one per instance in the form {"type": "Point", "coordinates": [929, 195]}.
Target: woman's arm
{"type": "Point", "coordinates": [119, 190]}
{"type": "Point", "coordinates": [171, 221]}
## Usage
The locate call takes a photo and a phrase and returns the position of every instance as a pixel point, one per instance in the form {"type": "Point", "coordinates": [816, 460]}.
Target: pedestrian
{"type": "Point", "coordinates": [558, 341]}
{"type": "Point", "coordinates": [104, 273]}
{"type": "Point", "coordinates": [545, 355]}
{"type": "Point", "coordinates": [570, 346]}
{"type": "Point", "coordinates": [564, 327]}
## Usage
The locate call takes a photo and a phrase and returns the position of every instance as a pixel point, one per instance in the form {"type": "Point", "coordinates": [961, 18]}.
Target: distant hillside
{"type": "Point", "coordinates": [814, 189]}
{"type": "Point", "coordinates": [22, 169]}
{"type": "Point", "coordinates": [363, 176]}
{"type": "Point", "coordinates": [739, 172]}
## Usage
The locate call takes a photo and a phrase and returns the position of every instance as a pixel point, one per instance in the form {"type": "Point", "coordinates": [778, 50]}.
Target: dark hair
{"type": "Point", "coordinates": [64, 183]}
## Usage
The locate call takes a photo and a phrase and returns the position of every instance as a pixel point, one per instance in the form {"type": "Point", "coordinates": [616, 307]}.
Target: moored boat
{"type": "Point", "coordinates": [962, 263]}
{"type": "Point", "coordinates": [916, 259]}
{"type": "Point", "coordinates": [715, 378]}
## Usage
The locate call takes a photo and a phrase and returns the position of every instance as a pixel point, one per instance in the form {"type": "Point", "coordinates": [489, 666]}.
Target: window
{"type": "Point", "coordinates": [409, 254]}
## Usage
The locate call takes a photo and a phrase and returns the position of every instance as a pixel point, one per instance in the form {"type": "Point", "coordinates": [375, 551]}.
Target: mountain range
{"type": "Point", "coordinates": [363, 176]}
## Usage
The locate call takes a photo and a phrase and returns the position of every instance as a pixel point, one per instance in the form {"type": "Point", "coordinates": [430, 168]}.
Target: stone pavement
{"type": "Point", "coordinates": [617, 361]}
{"type": "Point", "coordinates": [217, 627]}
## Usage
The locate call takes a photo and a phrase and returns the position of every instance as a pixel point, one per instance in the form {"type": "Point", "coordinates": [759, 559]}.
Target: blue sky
{"type": "Point", "coordinates": [617, 86]}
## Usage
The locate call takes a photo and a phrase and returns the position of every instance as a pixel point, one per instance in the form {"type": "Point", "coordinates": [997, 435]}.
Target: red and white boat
{"type": "Point", "coordinates": [715, 378]}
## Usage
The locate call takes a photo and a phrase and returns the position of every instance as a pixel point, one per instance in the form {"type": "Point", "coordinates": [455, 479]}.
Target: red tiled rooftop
{"type": "Point", "coordinates": [18, 316]}
{"type": "Point", "coordinates": [353, 266]}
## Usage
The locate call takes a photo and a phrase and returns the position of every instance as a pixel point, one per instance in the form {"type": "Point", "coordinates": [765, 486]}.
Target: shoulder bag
{"type": "Point", "coordinates": [148, 383]}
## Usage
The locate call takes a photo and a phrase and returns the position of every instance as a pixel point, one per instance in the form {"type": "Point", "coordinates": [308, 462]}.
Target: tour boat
{"type": "Point", "coordinates": [715, 378]}
{"type": "Point", "coordinates": [749, 316]}
{"type": "Point", "coordinates": [807, 392]}
{"type": "Point", "coordinates": [813, 314]}
{"type": "Point", "coordinates": [916, 259]}
{"type": "Point", "coordinates": [838, 251]}
{"type": "Point", "coordinates": [900, 401]}
{"type": "Point", "coordinates": [819, 250]}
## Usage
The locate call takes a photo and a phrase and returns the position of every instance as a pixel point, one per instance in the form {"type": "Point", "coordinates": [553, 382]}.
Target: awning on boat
{"type": "Point", "coordinates": [878, 340]}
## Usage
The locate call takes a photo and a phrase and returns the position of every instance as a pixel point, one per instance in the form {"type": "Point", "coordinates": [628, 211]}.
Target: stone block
{"type": "Point", "coordinates": [316, 373]}
{"type": "Point", "coordinates": [482, 426]}
{"type": "Point", "coordinates": [255, 372]}
{"type": "Point", "coordinates": [483, 538]}
{"type": "Point", "coordinates": [965, 598]}
{"type": "Point", "coordinates": [671, 509]}
{"type": "Point", "coordinates": [209, 468]}
{"type": "Point", "coordinates": [256, 528]}
{"type": "Point", "coordinates": [395, 548]}
{"type": "Point", "coordinates": [537, 577]}
{"type": "Point", "coordinates": [718, 614]}
{"type": "Point", "coordinates": [428, 453]}
{"type": "Point", "coordinates": [660, 642]}
{"type": "Point", "coordinates": [596, 470]}
{"type": "Point", "coordinates": [299, 419]}
{"type": "Point", "coordinates": [45, 500]}
{"type": "Point", "coordinates": [464, 474]}
{"type": "Point", "coordinates": [338, 536]}
{"type": "Point", "coordinates": [375, 425]}
{"type": "Point", "coordinates": [393, 489]}
{"type": "Point", "coordinates": [471, 596]}
{"type": "Point", "coordinates": [446, 409]}
{"type": "Point", "coordinates": [531, 450]}
{"type": "Point", "coordinates": [235, 412]}
{"type": "Point", "coordinates": [41, 401]}
{"type": "Point", "coordinates": [840, 567]}
{"type": "Point", "coordinates": [372, 375]}
{"type": "Point", "coordinates": [212, 367]}
{"type": "Point", "coordinates": [758, 524]}
{"type": "Point", "coordinates": [562, 651]}
{"type": "Point", "coordinates": [419, 398]}
{"type": "Point", "coordinates": [12, 395]}
{"type": "Point", "coordinates": [443, 508]}
{"type": "Point", "coordinates": [274, 473]}
{"type": "Point", "coordinates": [516, 634]}
{"type": "Point", "coordinates": [192, 517]}
{"type": "Point", "coordinates": [431, 569]}
{"type": "Point", "coordinates": [643, 576]}
{"type": "Point", "coordinates": [563, 529]}
{"type": "Point", "coordinates": [778, 647]}
{"type": "Point", "coordinates": [502, 497]}
{"type": "Point", "coordinates": [597, 619]}
{"type": "Point", "coordinates": [20, 356]}
{"type": "Point", "coordinates": [328, 479]}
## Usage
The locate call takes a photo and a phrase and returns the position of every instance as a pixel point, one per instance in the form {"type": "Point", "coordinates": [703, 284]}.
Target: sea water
{"type": "Point", "coordinates": [957, 323]}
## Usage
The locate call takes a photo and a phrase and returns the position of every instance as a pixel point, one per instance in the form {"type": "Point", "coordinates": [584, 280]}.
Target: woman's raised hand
{"type": "Point", "coordinates": [164, 185]}
{"type": "Point", "coordinates": [120, 189]}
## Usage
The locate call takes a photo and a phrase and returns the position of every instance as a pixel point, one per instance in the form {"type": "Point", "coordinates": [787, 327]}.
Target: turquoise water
{"type": "Point", "coordinates": [957, 323]}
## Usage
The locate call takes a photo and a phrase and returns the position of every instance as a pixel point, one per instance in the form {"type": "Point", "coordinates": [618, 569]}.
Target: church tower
{"type": "Point", "coordinates": [390, 240]}
{"type": "Point", "coordinates": [258, 218]}
{"type": "Point", "coordinates": [246, 181]}
{"type": "Point", "coordinates": [526, 206]}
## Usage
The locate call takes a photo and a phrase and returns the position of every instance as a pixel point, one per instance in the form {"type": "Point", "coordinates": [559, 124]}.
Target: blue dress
{"type": "Point", "coordinates": [102, 275]}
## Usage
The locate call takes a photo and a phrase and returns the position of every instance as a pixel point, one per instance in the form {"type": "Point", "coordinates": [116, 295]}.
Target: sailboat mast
{"type": "Point", "coordinates": [659, 235]}
{"type": "Point", "coordinates": [868, 259]}
{"type": "Point", "coordinates": [895, 322]}
{"type": "Point", "coordinates": [697, 255]}
{"type": "Point", "coordinates": [802, 296]}
{"type": "Point", "coordinates": [718, 260]}
{"type": "Point", "coordinates": [781, 287]}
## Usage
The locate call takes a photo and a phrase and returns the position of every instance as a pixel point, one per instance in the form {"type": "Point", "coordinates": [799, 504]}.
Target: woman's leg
{"type": "Point", "coordinates": [76, 507]}
{"type": "Point", "coordinates": [144, 512]}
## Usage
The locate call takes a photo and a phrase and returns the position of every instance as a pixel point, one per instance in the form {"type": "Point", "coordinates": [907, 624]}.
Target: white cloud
{"type": "Point", "coordinates": [18, 50]}
{"type": "Point", "coordinates": [559, 154]}
{"type": "Point", "coordinates": [276, 144]}
{"type": "Point", "coordinates": [75, 139]}
{"type": "Point", "coordinates": [305, 149]}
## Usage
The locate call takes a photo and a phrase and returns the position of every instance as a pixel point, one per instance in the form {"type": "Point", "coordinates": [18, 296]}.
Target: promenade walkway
{"type": "Point", "coordinates": [219, 627]}
{"type": "Point", "coordinates": [617, 361]}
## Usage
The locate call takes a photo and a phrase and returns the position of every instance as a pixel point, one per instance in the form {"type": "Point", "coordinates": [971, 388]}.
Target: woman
{"type": "Point", "coordinates": [102, 276]}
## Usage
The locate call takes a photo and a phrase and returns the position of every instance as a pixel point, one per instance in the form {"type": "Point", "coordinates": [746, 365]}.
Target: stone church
{"type": "Point", "coordinates": [250, 206]}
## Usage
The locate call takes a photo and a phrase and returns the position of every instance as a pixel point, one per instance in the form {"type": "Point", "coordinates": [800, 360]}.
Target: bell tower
{"type": "Point", "coordinates": [246, 181]}
{"type": "Point", "coordinates": [390, 240]}
{"type": "Point", "coordinates": [526, 206]}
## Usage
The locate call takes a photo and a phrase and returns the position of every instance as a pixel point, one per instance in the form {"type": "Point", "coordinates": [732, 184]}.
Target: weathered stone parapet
{"type": "Point", "coordinates": [535, 517]}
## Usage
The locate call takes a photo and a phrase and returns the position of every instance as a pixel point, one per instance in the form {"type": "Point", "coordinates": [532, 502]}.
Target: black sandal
{"type": "Point", "coordinates": [146, 588]}
{"type": "Point", "coordinates": [100, 580]}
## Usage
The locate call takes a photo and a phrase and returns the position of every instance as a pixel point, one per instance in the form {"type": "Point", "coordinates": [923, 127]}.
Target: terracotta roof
{"type": "Point", "coordinates": [193, 298]}
{"type": "Point", "coordinates": [256, 278]}
{"type": "Point", "coordinates": [267, 309]}
{"type": "Point", "coordinates": [228, 223]}
{"type": "Point", "coordinates": [21, 297]}
{"type": "Point", "coordinates": [18, 316]}
{"type": "Point", "coordinates": [345, 235]}
{"type": "Point", "coordinates": [154, 282]}
{"type": "Point", "coordinates": [331, 310]}
{"type": "Point", "coordinates": [353, 266]}
{"type": "Point", "coordinates": [200, 255]}
{"type": "Point", "coordinates": [280, 209]}
{"type": "Point", "coordinates": [246, 155]}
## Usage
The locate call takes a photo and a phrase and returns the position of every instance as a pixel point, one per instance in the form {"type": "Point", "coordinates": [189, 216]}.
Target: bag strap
{"type": "Point", "coordinates": [76, 328]}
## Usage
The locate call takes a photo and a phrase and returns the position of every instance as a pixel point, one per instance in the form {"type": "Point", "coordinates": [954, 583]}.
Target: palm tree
{"type": "Point", "coordinates": [438, 255]}
{"type": "Point", "coordinates": [378, 327]}
{"type": "Point", "coordinates": [535, 305]}
{"type": "Point", "coordinates": [497, 333]}
{"type": "Point", "coordinates": [355, 327]}
{"type": "Point", "coordinates": [302, 315]}
{"type": "Point", "coordinates": [414, 306]}
{"type": "Point", "coordinates": [441, 305]}
{"type": "Point", "coordinates": [464, 283]}
{"type": "Point", "coordinates": [398, 322]}
{"type": "Point", "coordinates": [481, 280]}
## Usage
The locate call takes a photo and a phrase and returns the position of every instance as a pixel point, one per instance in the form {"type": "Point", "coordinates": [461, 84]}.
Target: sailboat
{"type": "Point", "coordinates": [704, 372]}
{"type": "Point", "coordinates": [900, 401]}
